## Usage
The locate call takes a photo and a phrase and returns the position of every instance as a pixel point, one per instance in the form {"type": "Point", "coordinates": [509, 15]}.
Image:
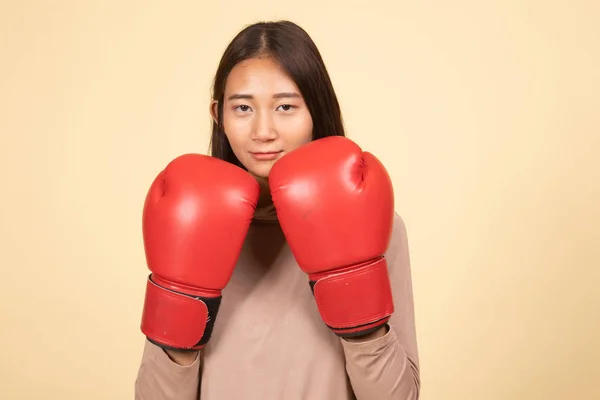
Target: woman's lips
{"type": "Point", "coordinates": [266, 155]}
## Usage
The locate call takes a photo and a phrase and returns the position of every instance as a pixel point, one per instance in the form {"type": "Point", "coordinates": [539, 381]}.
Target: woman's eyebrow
{"type": "Point", "coordinates": [238, 96]}
{"type": "Point", "coordinates": [286, 94]}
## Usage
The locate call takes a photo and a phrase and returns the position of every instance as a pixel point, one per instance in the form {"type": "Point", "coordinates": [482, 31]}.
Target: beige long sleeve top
{"type": "Point", "coordinates": [269, 341]}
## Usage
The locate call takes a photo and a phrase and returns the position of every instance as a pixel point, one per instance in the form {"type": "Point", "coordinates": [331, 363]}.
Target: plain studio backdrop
{"type": "Point", "coordinates": [486, 114]}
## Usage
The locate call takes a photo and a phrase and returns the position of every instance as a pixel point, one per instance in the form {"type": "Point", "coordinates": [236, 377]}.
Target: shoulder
{"type": "Point", "coordinates": [399, 233]}
{"type": "Point", "coordinates": [397, 252]}
{"type": "Point", "coordinates": [399, 227]}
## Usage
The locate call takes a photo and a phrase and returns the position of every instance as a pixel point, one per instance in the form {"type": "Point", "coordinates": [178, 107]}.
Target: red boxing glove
{"type": "Point", "coordinates": [335, 204]}
{"type": "Point", "coordinates": [196, 216]}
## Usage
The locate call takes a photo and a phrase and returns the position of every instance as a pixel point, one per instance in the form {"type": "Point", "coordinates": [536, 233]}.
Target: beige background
{"type": "Point", "coordinates": [485, 112]}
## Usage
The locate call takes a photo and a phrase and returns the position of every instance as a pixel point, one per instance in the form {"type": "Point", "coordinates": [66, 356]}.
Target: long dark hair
{"type": "Point", "coordinates": [289, 45]}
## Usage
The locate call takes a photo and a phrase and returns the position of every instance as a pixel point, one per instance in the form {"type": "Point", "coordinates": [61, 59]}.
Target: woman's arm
{"type": "Point", "coordinates": [167, 376]}
{"type": "Point", "coordinates": [384, 365]}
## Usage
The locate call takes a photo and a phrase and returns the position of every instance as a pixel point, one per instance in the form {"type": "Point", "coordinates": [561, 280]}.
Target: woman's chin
{"type": "Point", "coordinates": [260, 172]}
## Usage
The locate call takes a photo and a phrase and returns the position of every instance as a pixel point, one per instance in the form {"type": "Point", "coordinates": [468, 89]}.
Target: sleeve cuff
{"type": "Point", "coordinates": [164, 362]}
{"type": "Point", "coordinates": [370, 346]}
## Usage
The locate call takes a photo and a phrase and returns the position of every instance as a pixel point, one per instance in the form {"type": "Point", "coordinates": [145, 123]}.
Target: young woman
{"type": "Point", "coordinates": [279, 269]}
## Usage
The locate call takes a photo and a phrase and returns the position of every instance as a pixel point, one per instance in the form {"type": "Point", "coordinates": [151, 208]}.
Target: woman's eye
{"type": "Point", "coordinates": [243, 108]}
{"type": "Point", "coordinates": [286, 107]}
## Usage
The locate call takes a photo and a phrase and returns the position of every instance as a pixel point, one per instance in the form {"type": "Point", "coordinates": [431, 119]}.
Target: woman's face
{"type": "Point", "coordinates": [264, 114]}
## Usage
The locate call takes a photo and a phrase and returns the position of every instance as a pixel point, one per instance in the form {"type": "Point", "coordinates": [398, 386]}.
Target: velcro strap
{"type": "Point", "coordinates": [355, 297]}
{"type": "Point", "coordinates": [173, 319]}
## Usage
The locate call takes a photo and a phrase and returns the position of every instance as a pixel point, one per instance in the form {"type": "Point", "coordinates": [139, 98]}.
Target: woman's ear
{"type": "Point", "coordinates": [214, 111]}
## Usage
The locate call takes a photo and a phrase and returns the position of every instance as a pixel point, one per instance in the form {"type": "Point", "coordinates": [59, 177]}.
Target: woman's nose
{"type": "Point", "coordinates": [264, 128]}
